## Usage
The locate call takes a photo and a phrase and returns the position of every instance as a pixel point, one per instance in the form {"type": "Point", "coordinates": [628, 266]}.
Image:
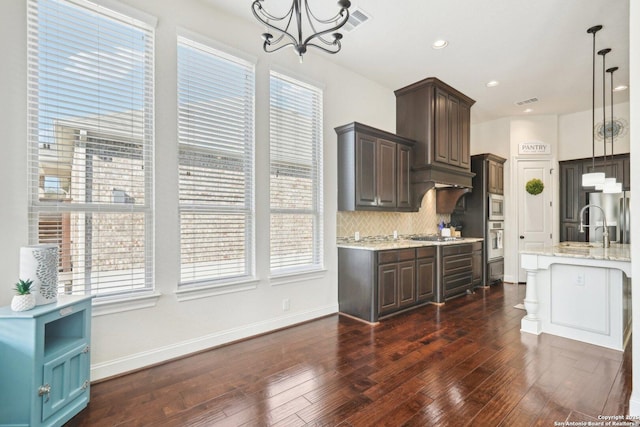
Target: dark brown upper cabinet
{"type": "Point", "coordinates": [374, 169]}
{"type": "Point", "coordinates": [495, 183]}
{"type": "Point", "coordinates": [437, 117]}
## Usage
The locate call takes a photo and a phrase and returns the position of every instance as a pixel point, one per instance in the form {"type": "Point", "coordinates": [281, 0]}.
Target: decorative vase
{"type": "Point", "coordinates": [23, 302]}
{"type": "Point", "coordinates": [39, 263]}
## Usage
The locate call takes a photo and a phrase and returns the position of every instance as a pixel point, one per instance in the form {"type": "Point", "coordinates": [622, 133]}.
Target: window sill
{"type": "Point", "coordinates": [192, 292]}
{"type": "Point", "coordinates": [121, 304]}
{"type": "Point", "coordinates": [297, 276]}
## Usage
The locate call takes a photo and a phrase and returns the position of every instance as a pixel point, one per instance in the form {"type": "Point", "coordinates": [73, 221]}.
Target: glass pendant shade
{"type": "Point", "coordinates": [592, 179]}
{"type": "Point", "coordinates": [612, 187]}
{"type": "Point", "coordinates": [607, 182]}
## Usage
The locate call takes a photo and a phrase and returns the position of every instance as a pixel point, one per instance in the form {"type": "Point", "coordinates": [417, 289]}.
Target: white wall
{"type": "Point", "coordinates": [132, 339]}
{"type": "Point", "coordinates": [575, 138]}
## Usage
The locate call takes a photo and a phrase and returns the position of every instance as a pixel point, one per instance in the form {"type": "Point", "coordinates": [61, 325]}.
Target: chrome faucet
{"type": "Point", "coordinates": [605, 231]}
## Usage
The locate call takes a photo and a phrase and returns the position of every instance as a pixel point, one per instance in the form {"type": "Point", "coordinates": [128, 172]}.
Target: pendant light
{"type": "Point", "coordinates": [607, 181]}
{"type": "Point", "coordinates": [593, 178]}
{"type": "Point", "coordinates": [617, 187]}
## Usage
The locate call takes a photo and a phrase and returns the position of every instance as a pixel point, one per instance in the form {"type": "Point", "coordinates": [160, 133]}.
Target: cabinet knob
{"type": "Point", "coordinates": [44, 390]}
{"type": "Point", "coordinates": [522, 237]}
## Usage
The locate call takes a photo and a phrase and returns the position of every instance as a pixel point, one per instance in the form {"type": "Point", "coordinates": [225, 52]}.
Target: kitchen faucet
{"type": "Point", "coordinates": [605, 231]}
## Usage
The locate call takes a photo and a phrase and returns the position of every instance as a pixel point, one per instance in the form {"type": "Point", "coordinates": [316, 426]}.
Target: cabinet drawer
{"type": "Point", "coordinates": [476, 246]}
{"type": "Point", "coordinates": [426, 252]}
{"type": "Point", "coordinates": [456, 249]}
{"type": "Point", "coordinates": [456, 283]}
{"type": "Point", "coordinates": [454, 264]}
{"type": "Point", "coordinates": [396, 256]}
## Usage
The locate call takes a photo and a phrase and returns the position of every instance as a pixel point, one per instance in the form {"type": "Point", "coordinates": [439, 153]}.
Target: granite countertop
{"type": "Point", "coordinates": [617, 251]}
{"type": "Point", "coordinates": [401, 243]}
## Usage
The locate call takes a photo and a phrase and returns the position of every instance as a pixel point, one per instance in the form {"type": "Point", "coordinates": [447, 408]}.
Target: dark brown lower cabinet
{"type": "Point", "coordinates": [476, 264]}
{"type": "Point", "coordinates": [372, 284]}
{"type": "Point", "coordinates": [496, 270]}
{"type": "Point", "coordinates": [457, 273]}
{"type": "Point", "coordinates": [425, 274]}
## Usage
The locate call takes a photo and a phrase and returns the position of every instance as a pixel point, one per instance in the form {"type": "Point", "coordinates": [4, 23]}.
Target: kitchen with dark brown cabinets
{"type": "Point", "coordinates": [422, 171]}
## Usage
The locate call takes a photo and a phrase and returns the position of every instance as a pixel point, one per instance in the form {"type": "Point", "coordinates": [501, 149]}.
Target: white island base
{"type": "Point", "coordinates": [579, 293]}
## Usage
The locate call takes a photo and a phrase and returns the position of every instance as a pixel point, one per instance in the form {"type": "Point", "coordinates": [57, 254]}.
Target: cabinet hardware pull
{"type": "Point", "coordinates": [85, 385]}
{"type": "Point", "coordinates": [86, 349]}
{"type": "Point", "coordinates": [44, 390]}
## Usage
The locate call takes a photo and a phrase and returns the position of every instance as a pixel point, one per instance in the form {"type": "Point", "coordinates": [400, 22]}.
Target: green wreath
{"type": "Point", "coordinates": [534, 186]}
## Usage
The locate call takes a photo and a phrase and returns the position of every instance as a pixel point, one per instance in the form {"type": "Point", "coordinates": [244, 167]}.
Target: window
{"type": "Point", "coordinates": [296, 175]}
{"type": "Point", "coordinates": [90, 101]}
{"type": "Point", "coordinates": [215, 133]}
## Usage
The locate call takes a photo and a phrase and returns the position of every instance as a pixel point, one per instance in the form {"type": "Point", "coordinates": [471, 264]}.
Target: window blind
{"type": "Point", "coordinates": [295, 175]}
{"type": "Point", "coordinates": [90, 113]}
{"type": "Point", "coordinates": [215, 133]}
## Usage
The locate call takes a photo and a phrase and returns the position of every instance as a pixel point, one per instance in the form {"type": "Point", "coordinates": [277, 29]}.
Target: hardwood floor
{"type": "Point", "coordinates": [465, 363]}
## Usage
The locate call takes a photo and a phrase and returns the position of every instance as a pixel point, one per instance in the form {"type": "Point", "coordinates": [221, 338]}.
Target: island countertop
{"type": "Point", "coordinates": [585, 250]}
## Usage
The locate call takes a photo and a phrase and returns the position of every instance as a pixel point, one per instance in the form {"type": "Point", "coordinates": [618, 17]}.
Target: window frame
{"type": "Point", "coordinates": [314, 269]}
{"type": "Point", "coordinates": [208, 286]}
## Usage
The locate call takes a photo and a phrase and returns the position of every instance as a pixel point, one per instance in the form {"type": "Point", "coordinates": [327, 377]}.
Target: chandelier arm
{"type": "Point", "coordinates": [265, 45]}
{"type": "Point", "coordinates": [266, 14]}
{"type": "Point", "coordinates": [327, 31]}
{"type": "Point", "coordinates": [273, 27]}
{"type": "Point", "coordinates": [337, 43]}
{"type": "Point", "coordinates": [323, 21]}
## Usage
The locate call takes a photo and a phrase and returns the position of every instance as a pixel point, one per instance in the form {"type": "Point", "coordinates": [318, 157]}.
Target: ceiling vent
{"type": "Point", "coordinates": [357, 17]}
{"type": "Point", "coordinates": [527, 101]}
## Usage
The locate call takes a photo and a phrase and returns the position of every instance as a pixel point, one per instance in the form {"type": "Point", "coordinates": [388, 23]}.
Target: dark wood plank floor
{"type": "Point", "coordinates": [465, 363]}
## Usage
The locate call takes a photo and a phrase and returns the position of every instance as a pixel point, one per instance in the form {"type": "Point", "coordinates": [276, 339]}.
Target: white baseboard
{"type": "Point", "coordinates": [137, 361]}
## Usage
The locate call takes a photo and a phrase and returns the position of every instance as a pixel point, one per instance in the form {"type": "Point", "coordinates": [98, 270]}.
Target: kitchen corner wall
{"type": "Point", "coordinates": [368, 223]}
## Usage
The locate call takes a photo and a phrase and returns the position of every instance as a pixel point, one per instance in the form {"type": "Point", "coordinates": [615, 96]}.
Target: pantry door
{"type": "Point", "coordinates": [535, 213]}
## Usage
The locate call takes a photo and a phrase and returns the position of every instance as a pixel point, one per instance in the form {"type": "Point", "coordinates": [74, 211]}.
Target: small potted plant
{"type": "Point", "coordinates": [23, 300]}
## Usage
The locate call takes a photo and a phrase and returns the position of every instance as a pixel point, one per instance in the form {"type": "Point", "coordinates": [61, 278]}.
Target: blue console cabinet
{"type": "Point", "coordinates": [44, 362]}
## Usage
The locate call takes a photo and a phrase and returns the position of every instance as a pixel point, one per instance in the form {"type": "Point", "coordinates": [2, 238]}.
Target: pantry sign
{"type": "Point", "coordinates": [534, 147]}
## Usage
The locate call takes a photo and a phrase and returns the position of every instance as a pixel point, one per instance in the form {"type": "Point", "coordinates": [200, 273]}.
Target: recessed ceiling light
{"type": "Point", "coordinates": [439, 44]}
{"type": "Point", "coordinates": [528, 110]}
{"type": "Point", "coordinates": [493, 83]}
{"type": "Point", "coordinates": [620, 88]}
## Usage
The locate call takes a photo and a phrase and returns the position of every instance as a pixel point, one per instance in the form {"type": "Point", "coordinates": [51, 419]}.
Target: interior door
{"type": "Point", "coordinates": [535, 213]}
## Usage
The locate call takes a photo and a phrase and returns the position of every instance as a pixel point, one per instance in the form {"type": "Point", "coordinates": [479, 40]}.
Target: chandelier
{"type": "Point", "coordinates": [324, 36]}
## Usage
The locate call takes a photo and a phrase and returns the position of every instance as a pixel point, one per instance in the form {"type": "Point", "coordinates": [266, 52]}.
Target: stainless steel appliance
{"type": "Point", "coordinates": [495, 247]}
{"type": "Point", "coordinates": [496, 207]}
{"type": "Point", "coordinates": [617, 212]}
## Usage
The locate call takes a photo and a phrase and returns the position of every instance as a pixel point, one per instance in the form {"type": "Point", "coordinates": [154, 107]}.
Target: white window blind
{"type": "Point", "coordinates": [90, 112]}
{"type": "Point", "coordinates": [215, 127]}
{"type": "Point", "coordinates": [296, 175]}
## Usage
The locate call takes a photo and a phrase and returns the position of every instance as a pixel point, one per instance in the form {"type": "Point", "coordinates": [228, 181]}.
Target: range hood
{"type": "Point", "coordinates": [450, 184]}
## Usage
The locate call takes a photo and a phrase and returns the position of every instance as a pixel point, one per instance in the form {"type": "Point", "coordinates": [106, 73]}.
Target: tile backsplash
{"type": "Point", "coordinates": [425, 221]}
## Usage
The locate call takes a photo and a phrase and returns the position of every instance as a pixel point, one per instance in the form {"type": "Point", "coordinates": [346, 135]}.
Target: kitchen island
{"type": "Point", "coordinates": [580, 291]}
{"type": "Point", "coordinates": [379, 278]}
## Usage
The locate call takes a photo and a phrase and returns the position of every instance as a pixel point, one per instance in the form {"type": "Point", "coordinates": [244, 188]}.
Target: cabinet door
{"type": "Point", "coordinates": [453, 119]}
{"type": "Point", "coordinates": [465, 132]}
{"type": "Point", "coordinates": [500, 178]}
{"type": "Point", "coordinates": [387, 288]}
{"type": "Point", "coordinates": [386, 174]}
{"type": "Point", "coordinates": [570, 183]}
{"type": "Point", "coordinates": [492, 184]}
{"type": "Point", "coordinates": [441, 146]}
{"type": "Point", "coordinates": [626, 172]}
{"type": "Point", "coordinates": [404, 177]}
{"type": "Point", "coordinates": [68, 377]}
{"type": "Point", "coordinates": [366, 151]}
{"type": "Point", "coordinates": [407, 284]}
{"type": "Point", "coordinates": [425, 278]}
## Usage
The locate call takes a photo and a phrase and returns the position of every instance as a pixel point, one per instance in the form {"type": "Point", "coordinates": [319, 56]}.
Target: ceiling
{"type": "Point", "coordinates": [534, 48]}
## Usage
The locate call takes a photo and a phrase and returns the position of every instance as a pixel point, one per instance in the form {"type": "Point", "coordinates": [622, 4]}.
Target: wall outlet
{"type": "Point", "coordinates": [578, 280]}
{"type": "Point", "coordinates": [286, 304]}
{"type": "Point", "coordinates": [395, 234]}
{"type": "Point", "coordinates": [357, 236]}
